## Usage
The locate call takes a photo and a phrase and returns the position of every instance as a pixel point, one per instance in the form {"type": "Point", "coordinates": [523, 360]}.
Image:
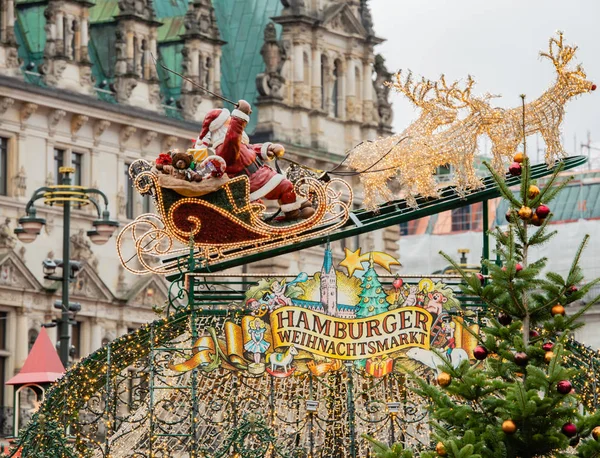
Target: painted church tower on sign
{"type": "Point", "coordinates": [329, 284]}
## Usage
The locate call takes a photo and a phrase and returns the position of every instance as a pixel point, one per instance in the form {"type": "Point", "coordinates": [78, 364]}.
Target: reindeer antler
{"type": "Point", "coordinates": [562, 55]}
{"type": "Point", "coordinates": [416, 93]}
{"type": "Point", "coordinates": [448, 95]}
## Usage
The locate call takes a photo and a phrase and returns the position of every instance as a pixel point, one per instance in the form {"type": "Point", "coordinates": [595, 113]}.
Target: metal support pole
{"type": "Point", "coordinates": [351, 413]}
{"type": "Point", "coordinates": [65, 326]}
{"type": "Point", "coordinates": [486, 237]}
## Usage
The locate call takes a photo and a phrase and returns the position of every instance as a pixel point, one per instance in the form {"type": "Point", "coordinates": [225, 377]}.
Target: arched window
{"type": "Point", "coordinates": [208, 73]}
{"type": "Point", "coordinates": [306, 69]}
{"type": "Point", "coordinates": [135, 55]}
{"type": "Point", "coordinates": [200, 68]}
{"type": "Point", "coordinates": [335, 93]}
{"type": "Point", "coordinates": [31, 337]}
{"type": "Point", "coordinates": [324, 68]}
{"type": "Point", "coordinates": [143, 65]}
{"type": "Point", "coordinates": [357, 84]}
{"type": "Point", "coordinates": [74, 45]}
{"type": "Point", "coordinates": [65, 27]}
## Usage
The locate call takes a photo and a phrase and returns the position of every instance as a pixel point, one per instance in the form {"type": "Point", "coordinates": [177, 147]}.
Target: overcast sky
{"type": "Point", "coordinates": [498, 42]}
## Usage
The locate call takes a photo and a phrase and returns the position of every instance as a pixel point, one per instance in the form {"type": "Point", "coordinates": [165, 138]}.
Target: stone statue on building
{"type": "Point", "coordinates": [273, 52]}
{"type": "Point", "coordinates": [140, 8]}
{"type": "Point", "coordinates": [384, 107]}
{"type": "Point", "coordinates": [50, 30]}
{"type": "Point", "coordinates": [120, 53]}
{"type": "Point", "coordinates": [7, 238]}
{"type": "Point", "coordinates": [295, 6]}
{"type": "Point", "coordinates": [81, 249]}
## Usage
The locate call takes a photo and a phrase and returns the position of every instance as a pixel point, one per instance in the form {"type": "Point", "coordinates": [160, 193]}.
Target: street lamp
{"type": "Point", "coordinates": [30, 227]}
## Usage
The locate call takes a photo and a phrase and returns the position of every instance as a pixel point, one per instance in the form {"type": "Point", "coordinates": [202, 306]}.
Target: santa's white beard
{"type": "Point", "coordinates": [218, 136]}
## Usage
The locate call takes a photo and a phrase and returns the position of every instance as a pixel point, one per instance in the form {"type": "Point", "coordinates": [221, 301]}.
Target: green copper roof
{"type": "Point", "coordinates": [170, 8]}
{"type": "Point", "coordinates": [242, 23]}
{"type": "Point", "coordinates": [31, 38]}
{"type": "Point", "coordinates": [104, 11]}
{"type": "Point", "coordinates": [171, 29]}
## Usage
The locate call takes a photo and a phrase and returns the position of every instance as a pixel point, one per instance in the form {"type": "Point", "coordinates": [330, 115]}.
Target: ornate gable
{"type": "Point", "coordinates": [88, 285]}
{"type": "Point", "coordinates": [340, 19]}
{"type": "Point", "coordinates": [15, 274]}
{"type": "Point", "coordinates": [148, 292]}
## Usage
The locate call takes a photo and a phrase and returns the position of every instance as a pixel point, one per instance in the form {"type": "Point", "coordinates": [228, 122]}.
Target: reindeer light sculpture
{"type": "Point", "coordinates": [545, 114]}
{"type": "Point", "coordinates": [385, 159]}
{"type": "Point", "coordinates": [414, 162]}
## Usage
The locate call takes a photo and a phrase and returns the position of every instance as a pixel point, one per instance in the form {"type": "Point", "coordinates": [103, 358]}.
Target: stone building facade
{"type": "Point", "coordinates": [78, 86]}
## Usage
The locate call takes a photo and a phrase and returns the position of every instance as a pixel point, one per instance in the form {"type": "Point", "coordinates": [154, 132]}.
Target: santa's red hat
{"type": "Point", "coordinates": [214, 120]}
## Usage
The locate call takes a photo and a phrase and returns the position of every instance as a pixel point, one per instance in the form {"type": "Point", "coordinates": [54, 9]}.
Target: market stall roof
{"type": "Point", "coordinates": [42, 365]}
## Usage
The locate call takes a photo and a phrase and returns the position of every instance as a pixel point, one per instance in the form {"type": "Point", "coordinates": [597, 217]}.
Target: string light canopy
{"type": "Point", "coordinates": [441, 137]}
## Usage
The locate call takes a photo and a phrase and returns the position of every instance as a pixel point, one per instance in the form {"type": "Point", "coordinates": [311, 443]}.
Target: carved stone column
{"type": "Point", "coordinates": [21, 343]}
{"type": "Point", "coordinates": [85, 338]}
{"type": "Point", "coordinates": [316, 80]}
{"type": "Point", "coordinates": [95, 335]}
{"type": "Point", "coordinates": [368, 115]}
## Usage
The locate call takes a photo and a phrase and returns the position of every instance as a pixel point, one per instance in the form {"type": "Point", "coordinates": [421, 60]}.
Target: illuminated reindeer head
{"type": "Point", "coordinates": [420, 95]}
{"type": "Point", "coordinates": [570, 83]}
{"type": "Point", "coordinates": [480, 108]}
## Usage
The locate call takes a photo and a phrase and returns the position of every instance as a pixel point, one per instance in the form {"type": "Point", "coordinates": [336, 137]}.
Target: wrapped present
{"type": "Point", "coordinates": [379, 366]}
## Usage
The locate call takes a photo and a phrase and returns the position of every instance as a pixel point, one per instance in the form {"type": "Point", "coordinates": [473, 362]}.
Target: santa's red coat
{"type": "Point", "coordinates": [264, 182]}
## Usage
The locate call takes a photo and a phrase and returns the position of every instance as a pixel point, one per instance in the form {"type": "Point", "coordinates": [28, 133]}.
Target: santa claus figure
{"type": "Point", "coordinates": [224, 132]}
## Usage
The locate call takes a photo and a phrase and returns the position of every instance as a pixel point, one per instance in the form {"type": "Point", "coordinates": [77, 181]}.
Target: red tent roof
{"type": "Point", "coordinates": [42, 365]}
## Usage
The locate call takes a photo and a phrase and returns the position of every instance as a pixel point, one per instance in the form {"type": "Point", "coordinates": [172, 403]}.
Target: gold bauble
{"type": "Point", "coordinates": [596, 433]}
{"type": "Point", "coordinates": [548, 356]}
{"type": "Point", "coordinates": [525, 213]}
{"type": "Point", "coordinates": [440, 449]}
{"type": "Point", "coordinates": [444, 379]}
{"type": "Point", "coordinates": [533, 191]}
{"type": "Point", "coordinates": [509, 427]}
{"type": "Point", "coordinates": [557, 310]}
{"type": "Point", "coordinates": [519, 157]}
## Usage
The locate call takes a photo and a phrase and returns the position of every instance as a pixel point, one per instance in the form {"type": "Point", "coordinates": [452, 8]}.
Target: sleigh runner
{"type": "Point", "coordinates": [218, 220]}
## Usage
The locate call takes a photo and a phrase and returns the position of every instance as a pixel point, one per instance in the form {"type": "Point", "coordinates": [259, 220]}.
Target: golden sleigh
{"type": "Point", "coordinates": [220, 222]}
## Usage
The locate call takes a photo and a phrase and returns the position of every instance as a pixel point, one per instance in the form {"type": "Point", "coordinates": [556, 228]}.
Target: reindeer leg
{"type": "Point", "coordinates": [554, 147]}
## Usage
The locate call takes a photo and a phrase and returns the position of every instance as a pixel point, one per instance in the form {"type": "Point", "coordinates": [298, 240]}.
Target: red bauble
{"type": "Point", "coordinates": [533, 334]}
{"type": "Point", "coordinates": [518, 267]}
{"type": "Point", "coordinates": [515, 169]}
{"type": "Point", "coordinates": [521, 359]}
{"type": "Point", "coordinates": [480, 352]}
{"type": "Point", "coordinates": [569, 430]}
{"type": "Point", "coordinates": [593, 87]}
{"type": "Point", "coordinates": [542, 211]}
{"type": "Point", "coordinates": [481, 277]}
{"type": "Point", "coordinates": [571, 290]}
{"type": "Point", "coordinates": [548, 346]}
{"type": "Point", "coordinates": [503, 268]}
{"type": "Point", "coordinates": [397, 283]}
{"type": "Point", "coordinates": [564, 387]}
{"type": "Point", "coordinates": [504, 319]}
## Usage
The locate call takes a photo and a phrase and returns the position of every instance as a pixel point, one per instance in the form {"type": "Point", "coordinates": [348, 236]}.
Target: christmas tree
{"type": "Point", "coordinates": [372, 295]}
{"type": "Point", "coordinates": [518, 400]}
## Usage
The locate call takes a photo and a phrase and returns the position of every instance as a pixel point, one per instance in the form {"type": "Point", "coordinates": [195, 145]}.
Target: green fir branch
{"type": "Point", "coordinates": [504, 189]}
{"type": "Point", "coordinates": [542, 196]}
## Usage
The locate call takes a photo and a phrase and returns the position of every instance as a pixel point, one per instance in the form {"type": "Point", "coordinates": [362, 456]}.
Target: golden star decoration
{"type": "Point", "coordinates": [353, 260]}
